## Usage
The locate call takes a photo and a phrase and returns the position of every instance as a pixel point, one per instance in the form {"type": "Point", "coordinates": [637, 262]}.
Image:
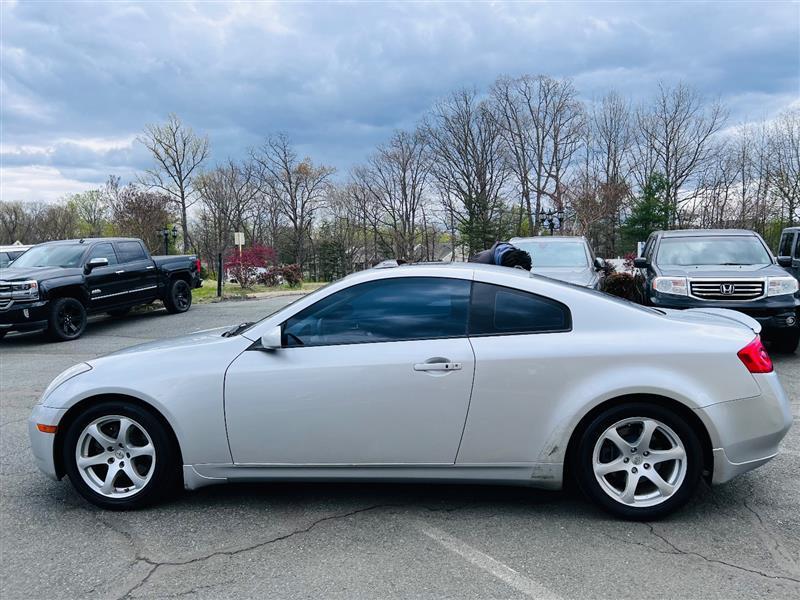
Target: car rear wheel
{"type": "Point", "coordinates": [639, 461]}
{"type": "Point", "coordinates": [67, 319]}
{"type": "Point", "coordinates": [179, 297]}
{"type": "Point", "coordinates": [119, 456]}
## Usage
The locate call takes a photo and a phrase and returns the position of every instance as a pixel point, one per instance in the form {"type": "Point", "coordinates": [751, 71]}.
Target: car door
{"type": "Point", "coordinates": [138, 271]}
{"type": "Point", "coordinates": [105, 284]}
{"type": "Point", "coordinates": [377, 373]}
{"type": "Point", "coordinates": [520, 340]}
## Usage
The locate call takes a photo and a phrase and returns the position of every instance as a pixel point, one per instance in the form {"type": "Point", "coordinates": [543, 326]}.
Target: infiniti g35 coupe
{"type": "Point", "coordinates": [443, 373]}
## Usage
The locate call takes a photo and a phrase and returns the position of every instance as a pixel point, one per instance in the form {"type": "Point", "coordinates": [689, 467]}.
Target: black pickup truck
{"type": "Point", "coordinates": [55, 285]}
{"type": "Point", "coordinates": [721, 268]}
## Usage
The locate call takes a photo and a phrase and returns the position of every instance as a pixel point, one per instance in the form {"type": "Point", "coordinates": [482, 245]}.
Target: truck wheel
{"type": "Point", "coordinates": [119, 312]}
{"type": "Point", "coordinates": [67, 319]}
{"type": "Point", "coordinates": [179, 297]}
{"type": "Point", "coordinates": [786, 341]}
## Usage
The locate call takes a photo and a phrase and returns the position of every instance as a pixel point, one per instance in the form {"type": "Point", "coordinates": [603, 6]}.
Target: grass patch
{"type": "Point", "coordinates": [233, 291]}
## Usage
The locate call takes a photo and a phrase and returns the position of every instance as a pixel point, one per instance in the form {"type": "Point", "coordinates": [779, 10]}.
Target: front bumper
{"type": "Point", "coordinates": [24, 316]}
{"type": "Point", "coordinates": [42, 444]}
{"type": "Point", "coordinates": [746, 433]}
{"type": "Point", "coordinates": [775, 312]}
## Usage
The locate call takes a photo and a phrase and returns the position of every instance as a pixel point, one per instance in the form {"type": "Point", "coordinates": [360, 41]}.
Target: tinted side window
{"type": "Point", "coordinates": [785, 247]}
{"type": "Point", "coordinates": [797, 246]}
{"type": "Point", "coordinates": [499, 310]}
{"type": "Point", "coordinates": [5, 259]}
{"type": "Point", "coordinates": [388, 310]}
{"type": "Point", "coordinates": [103, 251]}
{"type": "Point", "coordinates": [130, 251]}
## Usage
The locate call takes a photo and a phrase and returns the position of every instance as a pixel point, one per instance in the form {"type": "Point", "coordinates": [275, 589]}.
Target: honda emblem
{"type": "Point", "coordinates": [727, 289]}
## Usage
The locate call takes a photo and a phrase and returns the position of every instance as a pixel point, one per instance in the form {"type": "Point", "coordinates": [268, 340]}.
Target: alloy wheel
{"type": "Point", "coordinates": [70, 319]}
{"type": "Point", "coordinates": [180, 295]}
{"type": "Point", "coordinates": [639, 462]}
{"type": "Point", "coordinates": [115, 456]}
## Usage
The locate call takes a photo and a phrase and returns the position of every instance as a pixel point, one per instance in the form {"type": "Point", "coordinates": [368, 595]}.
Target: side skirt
{"type": "Point", "coordinates": [538, 475]}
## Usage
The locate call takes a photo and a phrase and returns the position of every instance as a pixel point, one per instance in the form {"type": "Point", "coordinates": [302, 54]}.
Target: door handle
{"type": "Point", "coordinates": [438, 366]}
{"type": "Point", "coordinates": [120, 272]}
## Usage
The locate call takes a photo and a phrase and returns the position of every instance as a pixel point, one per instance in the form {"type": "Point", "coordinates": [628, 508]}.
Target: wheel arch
{"type": "Point", "coordinates": [680, 408]}
{"type": "Point", "coordinates": [76, 409]}
{"type": "Point", "coordinates": [69, 291]}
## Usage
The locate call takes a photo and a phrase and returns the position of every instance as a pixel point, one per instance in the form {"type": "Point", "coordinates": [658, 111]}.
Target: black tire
{"type": "Point", "coordinates": [786, 341]}
{"type": "Point", "coordinates": [119, 312]}
{"type": "Point", "coordinates": [583, 461]}
{"type": "Point", "coordinates": [67, 319]}
{"type": "Point", "coordinates": [165, 479]}
{"type": "Point", "coordinates": [179, 297]}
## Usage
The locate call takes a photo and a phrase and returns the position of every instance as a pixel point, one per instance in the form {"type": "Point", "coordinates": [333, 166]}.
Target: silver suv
{"type": "Point", "coordinates": [566, 258]}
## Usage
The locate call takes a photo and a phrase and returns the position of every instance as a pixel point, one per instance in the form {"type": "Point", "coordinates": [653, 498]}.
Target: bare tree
{"type": "Point", "coordinates": [784, 145]}
{"type": "Point", "coordinates": [140, 213]}
{"type": "Point", "coordinates": [92, 209]}
{"type": "Point", "coordinates": [396, 177]}
{"type": "Point", "coordinates": [298, 187]}
{"type": "Point", "coordinates": [470, 167]}
{"type": "Point", "coordinates": [675, 138]}
{"type": "Point", "coordinates": [178, 152]}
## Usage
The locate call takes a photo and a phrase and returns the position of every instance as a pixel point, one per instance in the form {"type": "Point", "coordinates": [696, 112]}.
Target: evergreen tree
{"type": "Point", "coordinates": [650, 212]}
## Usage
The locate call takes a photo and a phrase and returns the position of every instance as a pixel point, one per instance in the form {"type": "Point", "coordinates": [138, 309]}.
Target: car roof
{"type": "Point", "coordinates": [410, 268]}
{"type": "Point", "coordinates": [549, 238]}
{"type": "Point", "coordinates": [791, 229]}
{"type": "Point", "coordinates": [704, 232]}
{"type": "Point", "coordinates": [91, 240]}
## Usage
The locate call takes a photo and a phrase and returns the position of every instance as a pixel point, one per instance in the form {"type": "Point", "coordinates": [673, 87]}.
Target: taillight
{"type": "Point", "coordinates": [197, 264]}
{"type": "Point", "coordinates": [755, 357]}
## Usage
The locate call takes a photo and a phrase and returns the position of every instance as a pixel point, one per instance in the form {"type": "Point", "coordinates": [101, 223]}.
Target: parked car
{"type": "Point", "coordinates": [566, 258]}
{"type": "Point", "coordinates": [8, 254]}
{"type": "Point", "coordinates": [54, 286]}
{"type": "Point", "coordinates": [721, 268]}
{"type": "Point", "coordinates": [437, 372]}
{"type": "Point", "coordinates": [789, 250]}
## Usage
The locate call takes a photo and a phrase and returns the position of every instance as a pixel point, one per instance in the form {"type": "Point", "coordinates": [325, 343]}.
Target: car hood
{"type": "Point", "coordinates": [722, 271]}
{"type": "Point", "coordinates": [13, 273]}
{"type": "Point", "coordinates": [183, 344]}
{"type": "Point", "coordinates": [578, 276]}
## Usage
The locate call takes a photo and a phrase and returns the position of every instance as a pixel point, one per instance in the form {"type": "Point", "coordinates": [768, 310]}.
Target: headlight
{"type": "Point", "coordinates": [671, 285]}
{"type": "Point", "coordinates": [63, 378]}
{"type": "Point", "coordinates": [778, 286]}
{"type": "Point", "coordinates": [22, 290]}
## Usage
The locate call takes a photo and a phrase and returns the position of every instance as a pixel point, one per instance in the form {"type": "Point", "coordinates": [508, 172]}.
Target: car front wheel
{"type": "Point", "coordinates": [67, 319]}
{"type": "Point", "coordinates": [119, 456]}
{"type": "Point", "coordinates": [639, 461]}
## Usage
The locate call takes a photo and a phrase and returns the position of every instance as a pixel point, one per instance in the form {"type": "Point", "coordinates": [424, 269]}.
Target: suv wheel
{"type": "Point", "coordinates": [67, 319]}
{"type": "Point", "coordinates": [119, 456]}
{"type": "Point", "coordinates": [639, 461]}
{"type": "Point", "coordinates": [786, 341]}
{"type": "Point", "coordinates": [179, 297]}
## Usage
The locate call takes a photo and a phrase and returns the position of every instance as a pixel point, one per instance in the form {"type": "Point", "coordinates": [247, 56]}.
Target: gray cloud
{"type": "Point", "coordinates": [80, 80]}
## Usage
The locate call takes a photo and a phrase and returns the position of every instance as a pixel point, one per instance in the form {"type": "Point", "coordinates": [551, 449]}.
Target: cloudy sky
{"type": "Point", "coordinates": [80, 80]}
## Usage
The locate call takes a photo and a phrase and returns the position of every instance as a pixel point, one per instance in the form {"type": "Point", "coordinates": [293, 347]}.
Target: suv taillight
{"type": "Point", "coordinates": [198, 264]}
{"type": "Point", "coordinates": [755, 357]}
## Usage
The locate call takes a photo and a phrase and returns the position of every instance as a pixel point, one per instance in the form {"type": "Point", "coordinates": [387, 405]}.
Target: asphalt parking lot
{"type": "Point", "coordinates": [741, 540]}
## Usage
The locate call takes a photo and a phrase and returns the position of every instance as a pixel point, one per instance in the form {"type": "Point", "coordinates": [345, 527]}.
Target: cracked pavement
{"type": "Point", "coordinates": [740, 540]}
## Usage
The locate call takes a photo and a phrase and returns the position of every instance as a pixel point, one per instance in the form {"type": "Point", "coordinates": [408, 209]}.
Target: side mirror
{"type": "Point", "coordinates": [640, 262]}
{"type": "Point", "coordinates": [96, 262]}
{"type": "Point", "coordinates": [599, 263]}
{"type": "Point", "coordinates": [271, 340]}
{"type": "Point", "coordinates": [785, 261]}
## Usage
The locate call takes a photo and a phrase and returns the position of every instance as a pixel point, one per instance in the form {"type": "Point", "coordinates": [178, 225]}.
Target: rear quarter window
{"type": "Point", "coordinates": [130, 252]}
{"type": "Point", "coordinates": [498, 310]}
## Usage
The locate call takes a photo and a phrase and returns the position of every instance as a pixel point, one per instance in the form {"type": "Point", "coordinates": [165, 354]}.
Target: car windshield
{"type": "Point", "coordinates": [719, 250]}
{"type": "Point", "coordinates": [52, 255]}
{"type": "Point", "coordinates": [555, 254]}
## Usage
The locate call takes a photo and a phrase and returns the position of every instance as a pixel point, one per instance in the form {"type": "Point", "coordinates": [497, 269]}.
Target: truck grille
{"type": "Point", "coordinates": [730, 289]}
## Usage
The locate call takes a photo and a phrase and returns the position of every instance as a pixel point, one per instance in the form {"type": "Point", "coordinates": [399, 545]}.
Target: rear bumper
{"type": "Point", "coordinates": [24, 316]}
{"type": "Point", "coordinates": [746, 433]}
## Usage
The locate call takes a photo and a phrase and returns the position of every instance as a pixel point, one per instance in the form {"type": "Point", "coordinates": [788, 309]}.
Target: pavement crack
{"type": "Point", "coordinates": [676, 550]}
{"type": "Point", "coordinates": [155, 565]}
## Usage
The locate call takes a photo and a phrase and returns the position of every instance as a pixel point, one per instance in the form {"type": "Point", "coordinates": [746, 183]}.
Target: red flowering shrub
{"type": "Point", "coordinates": [246, 268]}
{"type": "Point", "coordinates": [292, 275]}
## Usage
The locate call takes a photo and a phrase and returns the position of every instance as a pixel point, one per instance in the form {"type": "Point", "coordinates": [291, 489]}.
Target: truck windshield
{"type": "Point", "coordinates": [555, 254]}
{"type": "Point", "coordinates": [719, 250]}
{"type": "Point", "coordinates": [52, 255]}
